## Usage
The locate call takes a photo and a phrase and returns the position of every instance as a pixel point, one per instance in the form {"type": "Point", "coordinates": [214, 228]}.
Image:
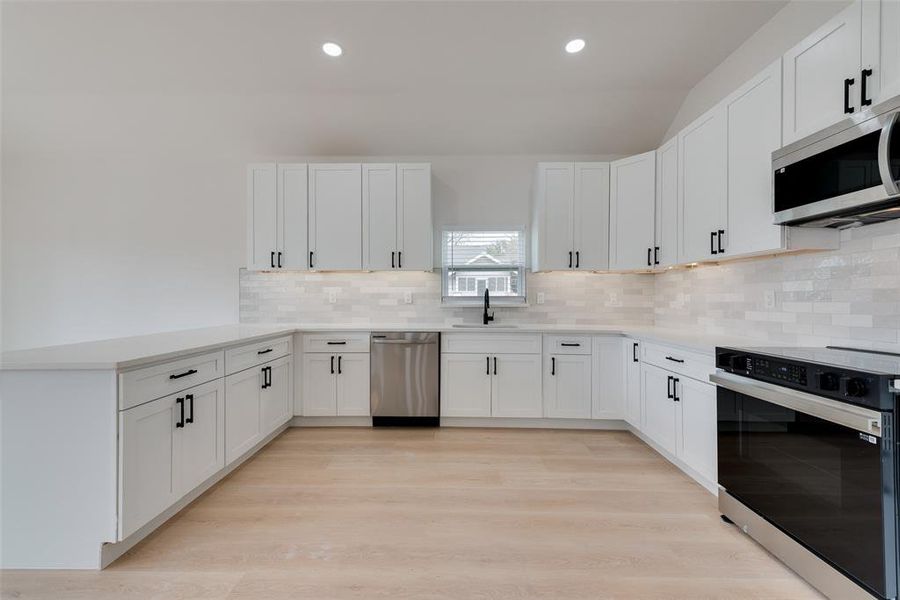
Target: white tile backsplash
{"type": "Point", "coordinates": [849, 296]}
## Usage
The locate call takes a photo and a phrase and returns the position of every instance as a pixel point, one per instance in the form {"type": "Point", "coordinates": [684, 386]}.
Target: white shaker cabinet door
{"type": "Point", "coordinates": [608, 379]}
{"type": "Point", "coordinates": [665, 250]}
{"type": "Point", "coordinates": [659, 408]}
{"type": "Point", "coordinates": [516, 385]}
{"type": "Point", "coordinates": [262, 216]}
{"type": "Point", "coordinates": [202, 452]}
{"type": "Point", "coordinates": [591, 214]}
{"type": "Point", "coordinates": [243, 427]}
{"type": "Point", "coordinates": [275, 406]}
{"type": "Point", "coordinates": [754, 132]}
{"type": "Point", "coordinates": [555, 215]}
{"type": "Point", "coordinates": [319, 386]}
{"type": "Point", "coordinates": [881, 48]}
{"type": "Point", "coordinates": [352, 380]}
{"type": "Point", "coordinates": [465, 385]}
{"type": "Point", "coordinates": [150, 469]}
{"type": "Point", "coordinates": [567, 386]}
{"type": "Point", "coordinates": [293, 226]}
{"type": "Point", "coordinates": [698, 426]}
{"type": "Point", "coordinates": [632, 202]}
{"type": "Point", "coordinates": [702, 187]}
{"type": "Point", "coordinates": [379, 198]}
{"type": "Point", "coordinates": [335, 216]}
{"type": "Point", "coordinates": [415, 231]}
{"type": "Point", "coordinates": [819, 71]}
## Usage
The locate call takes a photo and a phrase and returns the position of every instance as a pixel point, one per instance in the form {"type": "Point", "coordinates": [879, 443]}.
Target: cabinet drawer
{"type": "Point", "coordinates": [567, 344]}
{"type": "Point", "coordinates": [491, 343]}
{"type": "Point", "coordinates": [250, 355]}
{"type": "Point", "coordinates": [690, 364]}
{"type": "Point", "coordinates": [143, 385]}
{"type": "Point", "coordinates": [336, 342]}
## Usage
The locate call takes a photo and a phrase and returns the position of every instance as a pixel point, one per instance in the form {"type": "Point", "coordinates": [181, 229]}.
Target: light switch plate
{"type": "Point", "coordinates": [332, 296]}
{"type": "Point", "coordinates": [769, 299]}
{"type": "Point", "coordinates": [407, 297]}
{"type": "Point", "coordinates": [540, 297]}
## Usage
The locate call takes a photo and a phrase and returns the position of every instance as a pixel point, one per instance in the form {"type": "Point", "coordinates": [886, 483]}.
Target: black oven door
{"type": "Point", "coordinates": [828, 486]}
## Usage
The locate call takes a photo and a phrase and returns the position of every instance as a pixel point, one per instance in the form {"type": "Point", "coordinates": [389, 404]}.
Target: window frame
{"type": "Point", "coordinates": [510, 301]}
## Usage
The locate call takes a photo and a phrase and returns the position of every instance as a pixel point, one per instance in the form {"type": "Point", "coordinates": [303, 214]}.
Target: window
{"type": "Point", "coordinates": [475, 261]}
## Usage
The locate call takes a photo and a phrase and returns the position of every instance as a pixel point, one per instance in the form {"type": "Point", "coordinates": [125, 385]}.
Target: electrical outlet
{"type": "Point", "coordinates": [407, 297]}
{"type": "Point", "coordinates": [769, 299]}
{"type": "Point", "coordinates": [540, 297]}
{"type": "Point", "coordinates": [332, 296]}
{"type": "Point", "coordinates": [614, 300]}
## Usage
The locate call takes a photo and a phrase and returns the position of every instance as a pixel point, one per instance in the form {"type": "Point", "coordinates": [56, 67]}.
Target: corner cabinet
{"type": "Point", "coordinates": [277, 217]}
{"type": "Point", "coordinates": [397, 223]}
{"type": "Point", "coordinates": [258, 401]}
{"type": "Point", "coordinates": [631, 221]}
{"type": "Point", "coordinates": [335, 217]}
{"type": "Point", "coordinates": [570, 224]}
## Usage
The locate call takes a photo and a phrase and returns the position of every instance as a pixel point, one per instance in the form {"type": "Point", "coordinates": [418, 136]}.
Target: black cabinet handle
{"type": "Point", "coordinates": [847, 83]}
{"type": "Point", "coordinates": [265, 377]}
{"type": "Point", "coordinates": [719, 241]}
{"type": "Point", "coordinates": [655, 255]}
{"type": "Point", "coordinates": [393, 265]}
{"type": "Point", "coordinates": [487, 369]}
{"type": "Point", "coordinates": [190, 418]}
{"type": "Point", "coordinates": [332, 365]}
{"type": "Point", "coordinates": [712, 242]}
{"type": "Point", "coordinates": [266, 351]}
{"type": "Point", "coordinates": [675, 397]}
{"type": "Point", "coordinates": [553, 365]}
{"type": "Point", "coordinates": [185, 374]}
{"type": "Point", "coordinates": [337, 343]}
{"type": "Point", "coordinates": [339, 365]}
{"type": "Point", "coordinates": [279, 260]}
{"type": "Point", "coordinates": [864, 101]}
{"type": "Point", "coordinates": [570, 259]}
{"type": "Point", "coordinates": [577, 259]}
{"type": "Point", "coordinates": [495, 365]}
{"type": "Point", "coordinates": [180, 403]}
{"type": "Point", "coordinates": [399, 259]}
{"type": "Point", "coordinates": [268, 376]}
{"type": "Point", "coordinates": [649, 262]}
{"type": "Point", "coordinates": [310, 259]}
{"type": "Point", "coordinates": [272, 259]}
{"type": "Point", "coordinates": [673, 359]}
{"type": "Point", "coordinates": [634, 354]}
{"type": "Point", "coordinates": [569, 344]}
{"type": "Point", "coordinates": [669, 393]}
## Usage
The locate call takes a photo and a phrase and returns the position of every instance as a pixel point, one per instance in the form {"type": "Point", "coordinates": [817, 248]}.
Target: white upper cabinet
{"type": "Point", "coordinates": [292, 223]}
{"type": "Point", "coordinates": [702, 187]}
{"type": "Point", "coordinates": [591, 216]}
{"type": "Point", "coordinates": [415, 231]}
{"type": "Point", "coordinates": [753, 116]}
{"type": "Point", "coordinates": [632, 202]}
{"type": "Point", "coordinates": [822, 75]}
{"type": "Point", "coordinates": [262, 216]}
{"type": "Point", "coordinates": [665, 250]}
{"type": "Point", "coordinates": [881, 48]}
{"type": "Point", "coordinates": [554, 214]}
{"type": "Point", "coordinates": [379, 197]}
{"type": "Point", "coordinates": [335, 217]}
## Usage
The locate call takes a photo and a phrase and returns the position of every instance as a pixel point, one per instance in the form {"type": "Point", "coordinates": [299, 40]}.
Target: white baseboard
{"type": "Point", "coordinates": [331, 422]}
{"type": "Point", "coordinates": [111, 551]}
{"type": "Point", "coordinates": [608, 424]}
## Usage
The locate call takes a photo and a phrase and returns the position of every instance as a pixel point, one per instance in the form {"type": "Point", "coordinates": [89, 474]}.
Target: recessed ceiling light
{"type": "Point", "coordinates": [332, 49]}
{"type": "Point", "coordinates": [576, 45]}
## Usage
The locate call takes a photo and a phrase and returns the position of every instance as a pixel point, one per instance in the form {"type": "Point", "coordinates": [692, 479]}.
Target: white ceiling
{"type": "Point", "coordinates": [416, 78]}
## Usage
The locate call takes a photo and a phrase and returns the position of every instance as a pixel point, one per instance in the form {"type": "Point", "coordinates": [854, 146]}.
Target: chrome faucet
{"type": "Point", "coordinates": [488, 317]}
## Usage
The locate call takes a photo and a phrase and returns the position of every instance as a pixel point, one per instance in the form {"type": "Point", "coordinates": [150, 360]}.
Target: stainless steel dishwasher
{"type": "Point", "coordinates": [405, 378]}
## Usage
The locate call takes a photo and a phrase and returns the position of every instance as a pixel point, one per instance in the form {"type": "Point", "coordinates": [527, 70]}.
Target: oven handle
{"type": "Point", "coordinates": [884, 155]}
{"type": "Point", "coordinates": [848, 415]}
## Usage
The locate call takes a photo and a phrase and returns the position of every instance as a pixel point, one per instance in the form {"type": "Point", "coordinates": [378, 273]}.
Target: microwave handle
{"type": "Point", "coordinates": [884, 155]}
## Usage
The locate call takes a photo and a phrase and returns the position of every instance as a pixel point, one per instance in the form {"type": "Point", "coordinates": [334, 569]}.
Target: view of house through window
{"type": "Point", "coordinates": [475, 261]}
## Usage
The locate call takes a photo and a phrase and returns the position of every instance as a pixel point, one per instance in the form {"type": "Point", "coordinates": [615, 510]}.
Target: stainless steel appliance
{"type": "Point", "coordinates": [405, 378]}
{"type": "Point", "coordinates": [844, 176]}
{"type": "Point", "coordinates": [807, 461]}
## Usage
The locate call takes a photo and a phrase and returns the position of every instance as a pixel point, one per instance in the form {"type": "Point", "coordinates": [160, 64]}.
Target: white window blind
{"type": "Point", "coordinates": [475, 261]}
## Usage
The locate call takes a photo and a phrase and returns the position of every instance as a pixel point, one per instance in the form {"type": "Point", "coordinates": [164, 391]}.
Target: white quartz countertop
{"type": "Point", "coordinates": [129, 352]}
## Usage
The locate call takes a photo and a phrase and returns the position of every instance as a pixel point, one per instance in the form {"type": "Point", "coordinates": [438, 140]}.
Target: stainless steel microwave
{"type": "Point", "coordinates": [843, 176]}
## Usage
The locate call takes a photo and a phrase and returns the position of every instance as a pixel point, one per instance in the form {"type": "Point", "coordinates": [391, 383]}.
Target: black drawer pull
{"type": "Point", "coordinates": [673, 359]}
{"type": "Point", "coordinates": [190, 418]}
{"type": "Point", "coordinates": [336, 343]}
{"type": "Point", "coordinates": [185, 374]}
{"type": "Point", "coordinates": [569, 345]}
{"type": "Point", "coordinates": [180, 403]}
{"type": "Point", "coordinates": [266, 351]}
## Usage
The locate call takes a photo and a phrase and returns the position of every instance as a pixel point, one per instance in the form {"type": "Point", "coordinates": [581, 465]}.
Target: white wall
{"type": "Point", "coordinates": [788, 27]}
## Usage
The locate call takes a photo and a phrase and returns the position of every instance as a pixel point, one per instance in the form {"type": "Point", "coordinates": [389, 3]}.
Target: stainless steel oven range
{"type": "Point", "coordinates": [807, 461]}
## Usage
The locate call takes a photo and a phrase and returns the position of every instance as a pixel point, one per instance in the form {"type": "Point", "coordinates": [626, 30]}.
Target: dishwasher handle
{"type": "Point", "coordinates": [404, 342]}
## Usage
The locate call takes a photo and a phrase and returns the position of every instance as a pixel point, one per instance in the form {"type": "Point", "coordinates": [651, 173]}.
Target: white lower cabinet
{"type": "Point", "coordinates": [257, 401]}
{"type": "Point", "coordinates": [516, 385]}
{"type": "Point", "coordinates": [336, 385]}
{"type": "Point", "coordinates": [659, 408]}
{"type": "Point", "coordinates": [633, 405]}
{"type": "Point", "coordinates": [275, 399]}
{"type": "Point", "coordinates": [567, 386]}
{"type": "Point", "coordinates": [607, 379]}
{"type": "Point", "coordinates": [465, 385]}
{"type": "Point", "coordinates": [167, 450]}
